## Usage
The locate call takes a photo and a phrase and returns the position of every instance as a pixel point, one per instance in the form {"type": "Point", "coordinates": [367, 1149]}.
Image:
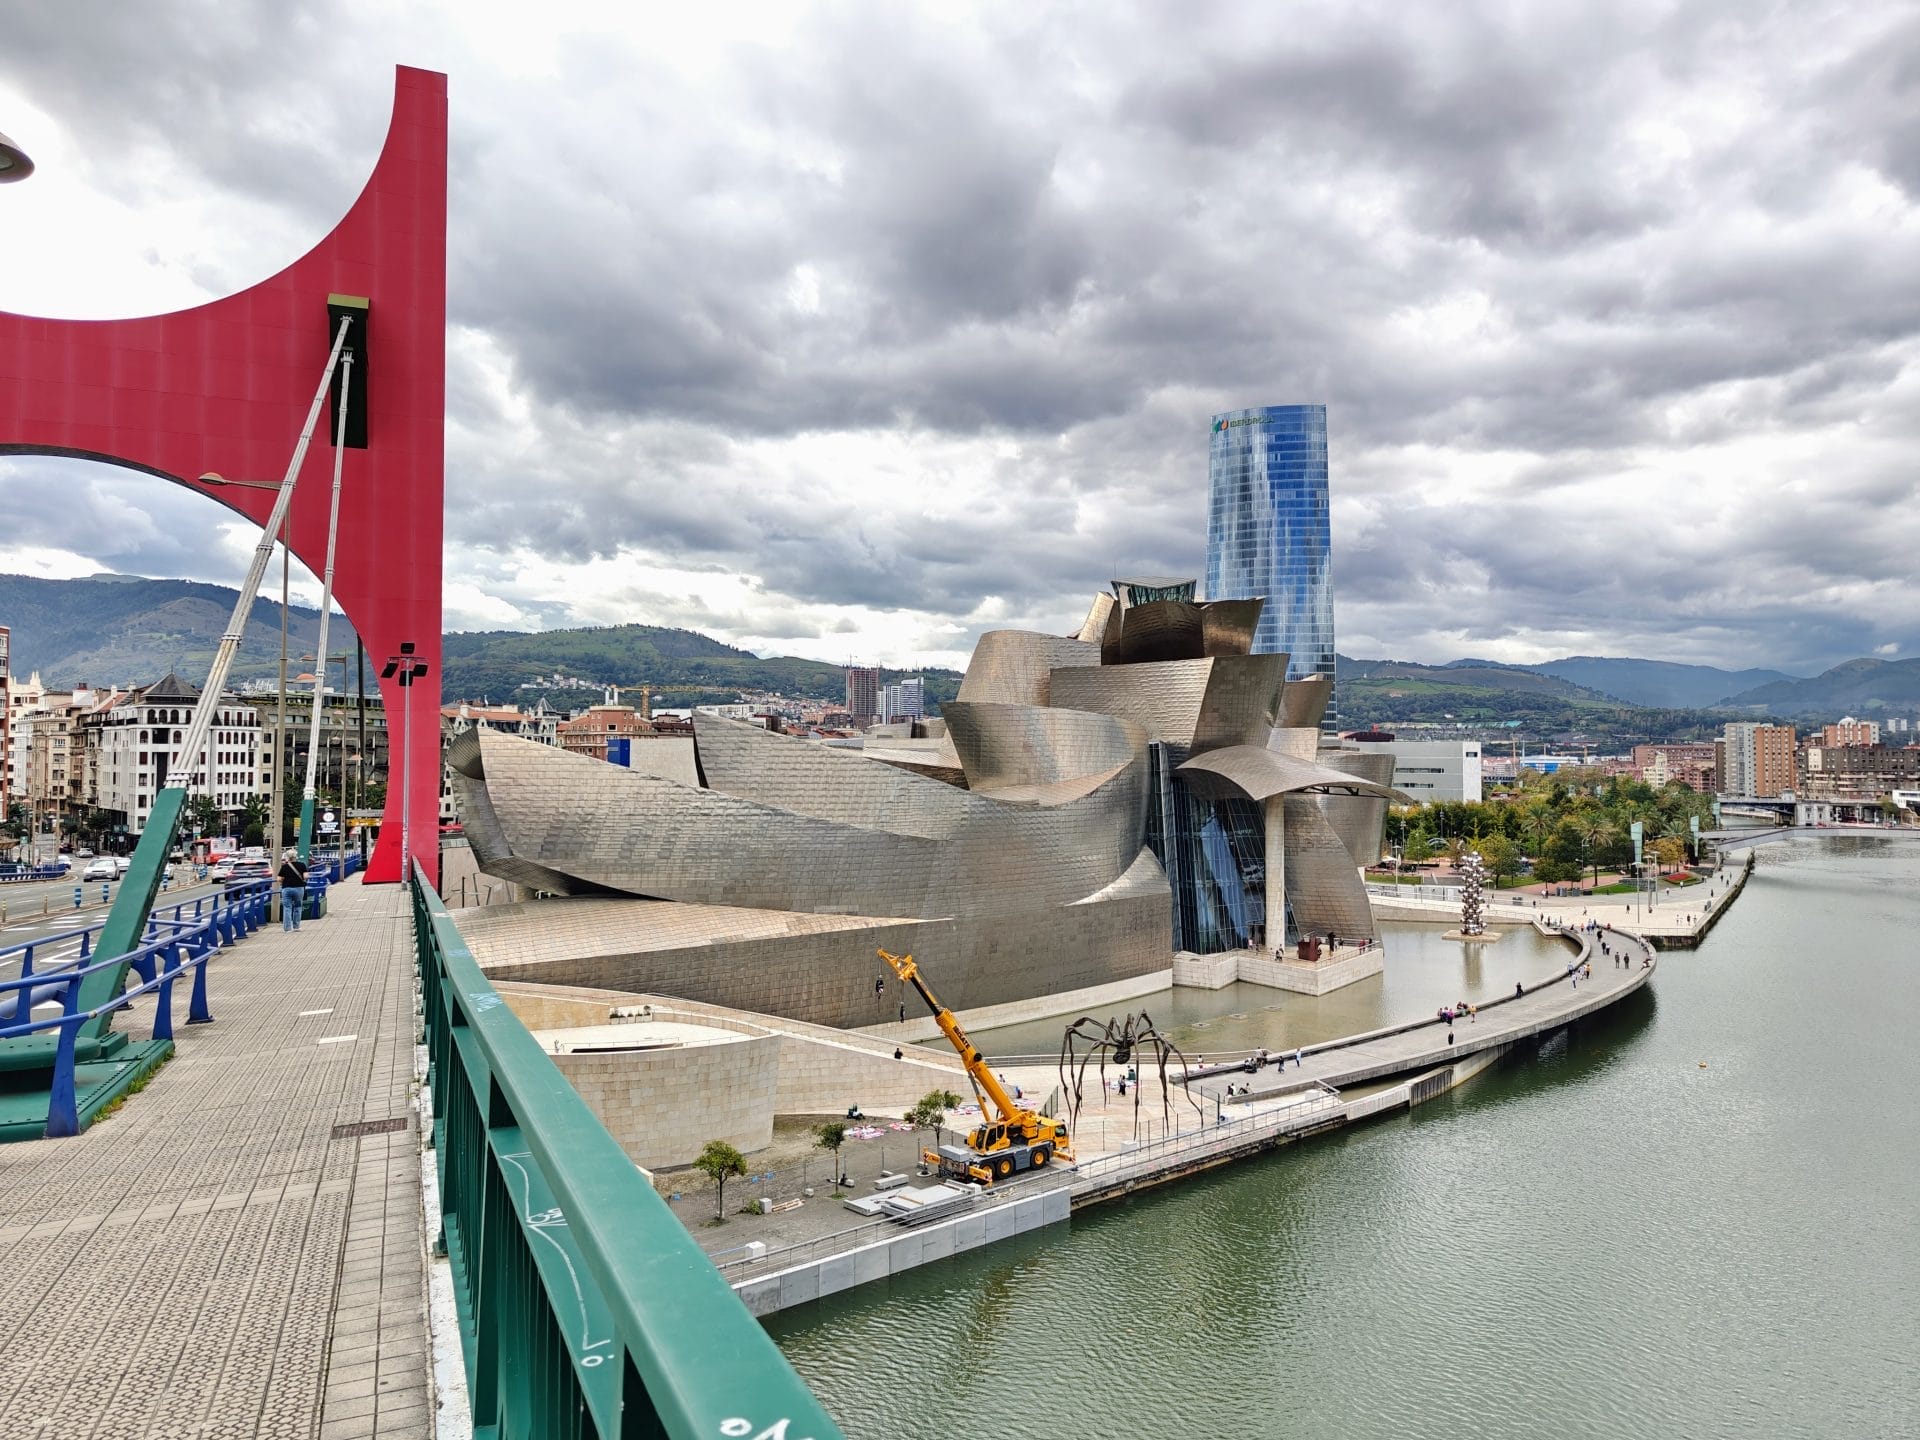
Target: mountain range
{"type": "Point", "coordinates": [123, 629]}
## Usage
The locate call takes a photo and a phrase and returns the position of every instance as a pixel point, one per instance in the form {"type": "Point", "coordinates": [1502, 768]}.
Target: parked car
{"type": "Point", "coordinates": [101, 869]}
{"type": "Point", "coordinates": [246, 872]}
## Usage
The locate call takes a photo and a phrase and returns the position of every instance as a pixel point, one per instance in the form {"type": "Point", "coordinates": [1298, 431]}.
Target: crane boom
{"type": "Point", "coordinates": [983, 1078]}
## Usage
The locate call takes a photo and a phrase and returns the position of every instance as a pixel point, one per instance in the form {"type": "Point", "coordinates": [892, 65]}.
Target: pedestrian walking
{"type": "Point", "coordinates": [293, 890]}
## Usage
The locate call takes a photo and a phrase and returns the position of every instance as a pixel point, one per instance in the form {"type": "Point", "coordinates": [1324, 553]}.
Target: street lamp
{"type": "Point", "coordinates": [279, 796]}
{"type": "Point", "coordinates": [14, 163]}
{"type": "Point", "coordinates": [405, 668]}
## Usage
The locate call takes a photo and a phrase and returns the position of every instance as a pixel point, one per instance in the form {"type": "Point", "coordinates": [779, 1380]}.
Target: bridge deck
{"type": "Point", "coordinates": [213, 1260]}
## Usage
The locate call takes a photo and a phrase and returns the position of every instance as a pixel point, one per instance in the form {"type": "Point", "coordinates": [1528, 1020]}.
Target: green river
{"type": "Point", "coordinates": [1693, 1216]}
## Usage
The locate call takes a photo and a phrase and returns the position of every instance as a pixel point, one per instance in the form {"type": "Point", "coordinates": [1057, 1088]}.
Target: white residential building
{"type": "Point", "coordinates": [134, 749]}
{"type": "Point", "coordinates": [903, 700]}
{"type": "Point", "coordinates": [24, 698]}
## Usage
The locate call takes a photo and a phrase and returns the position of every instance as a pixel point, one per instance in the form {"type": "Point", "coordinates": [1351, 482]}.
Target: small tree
{"type": "Point", "coordinates": [719, 1162]}
{"type": "Point", "coordinates": [930, 1113]}
{"type": "Point", "coordinates": [831, 1136]}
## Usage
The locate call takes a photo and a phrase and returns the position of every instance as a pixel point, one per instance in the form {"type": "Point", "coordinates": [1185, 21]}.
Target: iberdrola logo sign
{"type": "Point", "coordinates": [1220, 425]}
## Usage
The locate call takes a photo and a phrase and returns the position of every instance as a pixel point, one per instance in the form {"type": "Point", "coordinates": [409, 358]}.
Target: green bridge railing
{"type": "Point", "coordinates": [585, 1308]}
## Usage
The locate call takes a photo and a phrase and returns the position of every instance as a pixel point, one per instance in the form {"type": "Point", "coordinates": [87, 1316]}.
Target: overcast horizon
{"type": "Point", "coordinates": [851, 331]}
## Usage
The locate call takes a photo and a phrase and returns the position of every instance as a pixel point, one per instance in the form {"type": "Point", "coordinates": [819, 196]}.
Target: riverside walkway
{"type": "Point", "coordinates": [229, 1254]}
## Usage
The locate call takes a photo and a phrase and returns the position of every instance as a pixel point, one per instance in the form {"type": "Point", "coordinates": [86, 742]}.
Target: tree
{"type": "Point", "coordinates": [202, 815]}
{"type": "Point", "coordinates": [1502, 857]}
{"type": "Point", "coordinates": [831, 1136]}
{"type": "Point", "coordinates": [1595, 830]}
{"type": "Point", "coordinates": [930, 1113]}
{"type": "Point", "coordinates": [719, 1161]}
{"type": "Point", "coordinates": [1671, 851]}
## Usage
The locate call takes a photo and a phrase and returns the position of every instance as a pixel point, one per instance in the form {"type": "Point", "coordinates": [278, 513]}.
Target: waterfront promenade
{"type": "Point", "coordinates": [227, 1255]}
{"type": "Point", "coordinates": [812, 1250]}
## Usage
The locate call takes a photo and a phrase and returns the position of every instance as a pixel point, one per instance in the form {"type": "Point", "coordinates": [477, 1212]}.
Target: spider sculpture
{"type": "Point", "coordinates": [1119, 1042]}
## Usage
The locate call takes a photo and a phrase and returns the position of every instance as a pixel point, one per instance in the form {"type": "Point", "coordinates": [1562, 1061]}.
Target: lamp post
{"type": "Point", "coordinates": [320, 690]}
{"type": "Point", "coordinates": [279, 796]}
{"type": "Point", "coordinates": [406, 667]}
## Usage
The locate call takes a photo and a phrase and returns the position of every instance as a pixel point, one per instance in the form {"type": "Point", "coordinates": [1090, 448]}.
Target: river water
{"type": "Point", "coordinates": [1696, 1215]}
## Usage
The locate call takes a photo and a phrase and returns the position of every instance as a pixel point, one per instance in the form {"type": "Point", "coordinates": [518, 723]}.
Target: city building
{"type": "Point", "coordinates": [863, 694]}
{"type": "Point", "coordinates": [588, 732]}
{"type": "Point", "coordinates": [903, 700]}
{"type": "Point", "coordinates": [1088, 807]}
{"type": "Point", "coordinates": [6, 717]}
{"type": "Point", "coordinates": [1848, 731]}
{"type": "Point", "coordinates": [133, 737]}
{"type": "Point", "coordinates": [23, 698]}
{"type": "Point", "coordinates": [1684, 763]}
{"type": "Point", "coordinates": [1757, 760]}
{"type": "Point", "coordinates": [353, 739]}
{"type": "Point", "coordinates": [1860, 773]}
{"type": "Point", "coordinates": [1430, 770]}
{"type": "Point", "coordinates": [1269, 533]}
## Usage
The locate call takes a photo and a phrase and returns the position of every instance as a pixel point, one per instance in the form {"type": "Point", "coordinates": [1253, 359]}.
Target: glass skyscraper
{"type": "Point", "coordinates": [1268, 531]}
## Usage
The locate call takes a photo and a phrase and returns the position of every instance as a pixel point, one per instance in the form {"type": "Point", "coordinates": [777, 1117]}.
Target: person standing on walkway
{"type": "Point", "coordinates": [293, 890]}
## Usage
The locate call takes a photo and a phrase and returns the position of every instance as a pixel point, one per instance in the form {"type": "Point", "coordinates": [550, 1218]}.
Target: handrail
{"type": "Point", "coordinates": [1206, 1137]}
{"type": "Point", "coordinates": [585, 1307]}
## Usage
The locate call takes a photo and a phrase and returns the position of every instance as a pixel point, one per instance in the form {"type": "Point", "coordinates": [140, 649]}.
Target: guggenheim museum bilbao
{"type": "Point", "coordinates": [1090, 806]}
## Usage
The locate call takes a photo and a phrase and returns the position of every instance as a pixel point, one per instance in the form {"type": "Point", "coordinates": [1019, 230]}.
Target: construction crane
{"type": "Point", "coordinates": [1010, 1137]}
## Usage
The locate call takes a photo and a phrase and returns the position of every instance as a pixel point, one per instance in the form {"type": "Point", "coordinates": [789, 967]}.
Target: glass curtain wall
{"type": "Point", "coordinates": [1214, 853]}
{"type": "Point", "coordinates": [1269, 531]}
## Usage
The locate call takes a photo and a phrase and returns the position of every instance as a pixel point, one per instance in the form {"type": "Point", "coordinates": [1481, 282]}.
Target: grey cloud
{"type": "Point", "coordinates": [1081, 231]}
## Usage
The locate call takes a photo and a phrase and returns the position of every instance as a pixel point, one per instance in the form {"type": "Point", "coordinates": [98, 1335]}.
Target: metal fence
{"type": "Point", "coordinates": [585, 1308]}
{"type": "Point", "coordinates": [1205, 1140]}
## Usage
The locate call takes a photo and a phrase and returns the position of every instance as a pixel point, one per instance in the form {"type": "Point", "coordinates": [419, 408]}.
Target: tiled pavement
{"type": "Point", "coordinates": [212, 1261]}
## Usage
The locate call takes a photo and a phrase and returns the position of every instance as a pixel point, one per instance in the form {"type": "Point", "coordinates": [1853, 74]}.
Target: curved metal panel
{"type": "Point", "coordinates": [1012, 667]}
{"type": "Point", "coordinates": [1324, 890]}
{"type": "Point", "coordinates": [1259, 774]}
{"type": "Point", "coordinates": [1227, 626]}
{"type": "Point", "coordinates": [1094, 628]}
{"type": "Point", "coordinates": [1003, 745]}
{"type": "Point", "coordinates": [1359, 820]}
{"type": "Point", "coordinates": [1241, 699]}
{"type": "Point", "coordinates": [605, 826]}
{"type": "Point", "coordinates": [1157, 630]}
{"type": "Point", "coordinates": [1162, 697]}
{"type": "Point", "coordinates": [841, 786]}
{"type": "Point", "coordinates": [1304, 705]}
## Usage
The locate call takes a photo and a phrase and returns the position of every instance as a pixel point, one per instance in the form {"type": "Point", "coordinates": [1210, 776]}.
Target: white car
{"type": "Point", "coordinates": [101, 869]}
{"type": "Point", "coordinates": [123, 863]}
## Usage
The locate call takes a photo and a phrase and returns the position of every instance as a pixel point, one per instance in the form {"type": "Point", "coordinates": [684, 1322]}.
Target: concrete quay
{"type": "Point", "coordinates": [240, 1250]}
{"type": "Point", "coordinates": [1285, 1104]}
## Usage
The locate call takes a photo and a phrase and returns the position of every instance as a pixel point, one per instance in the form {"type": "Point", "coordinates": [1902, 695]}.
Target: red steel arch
{"type": "Point", "coordinates": [225, 387]}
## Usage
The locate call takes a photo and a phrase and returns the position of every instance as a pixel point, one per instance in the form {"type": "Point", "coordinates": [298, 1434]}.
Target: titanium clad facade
{"type": "Point", "coordinates": [1269, 533]}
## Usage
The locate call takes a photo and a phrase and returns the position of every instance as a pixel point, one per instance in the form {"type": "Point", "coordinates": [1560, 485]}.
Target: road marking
{"type": "Point", "coordinates": [305, 1013]}
{"type": "Point", "coordinates": [335, 1039]}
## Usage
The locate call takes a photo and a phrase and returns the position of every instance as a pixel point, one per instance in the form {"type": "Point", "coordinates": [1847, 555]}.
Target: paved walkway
{"type": "Point", "coordinates": [214, 1260]}
{"type": "Point", "coordinates": [1681, 915]}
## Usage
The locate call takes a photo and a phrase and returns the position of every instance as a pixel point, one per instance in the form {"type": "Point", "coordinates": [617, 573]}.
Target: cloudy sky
{"type": "Point", "coordinates": [856, 329]}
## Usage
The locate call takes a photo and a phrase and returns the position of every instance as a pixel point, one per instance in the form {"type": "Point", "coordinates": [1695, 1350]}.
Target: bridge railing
{"type": "Point", "coordinates": [172, 948]}
{"type": "Point", "coordinates": [585, 1308]}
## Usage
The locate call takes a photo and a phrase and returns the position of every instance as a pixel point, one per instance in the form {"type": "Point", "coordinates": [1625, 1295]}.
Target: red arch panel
{"type": "Point", "coordinates": [225, 388]}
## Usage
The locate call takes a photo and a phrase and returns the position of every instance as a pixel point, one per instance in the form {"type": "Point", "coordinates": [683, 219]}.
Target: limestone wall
{"type": "Point", "coordinates": [663, 1105]}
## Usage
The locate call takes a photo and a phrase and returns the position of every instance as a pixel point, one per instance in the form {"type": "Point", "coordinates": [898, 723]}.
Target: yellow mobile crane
{"type": "Point", "coordinates": [1012, 1137]}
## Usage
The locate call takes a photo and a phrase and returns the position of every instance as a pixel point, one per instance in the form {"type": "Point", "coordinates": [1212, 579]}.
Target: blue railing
{"type": "Point", "coordinates": [178, 940]}
{"type": "Point", "coordinates": [38, 872]}
{"type": "Point", "coordinates": [175, 947]}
